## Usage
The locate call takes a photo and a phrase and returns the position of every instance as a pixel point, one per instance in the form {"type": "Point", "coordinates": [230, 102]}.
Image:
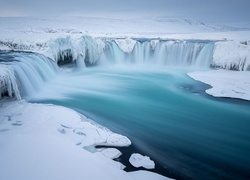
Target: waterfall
{"type": "Point", "coordinates": [31, 71]}
{"type": "Point", "coordinates": [174, 53]}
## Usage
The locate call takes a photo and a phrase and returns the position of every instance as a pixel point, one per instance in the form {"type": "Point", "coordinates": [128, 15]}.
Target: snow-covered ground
{"type": "Point", "coordinates": [40, 142]}
{"type": "Point", "coordinates": [233, 84]}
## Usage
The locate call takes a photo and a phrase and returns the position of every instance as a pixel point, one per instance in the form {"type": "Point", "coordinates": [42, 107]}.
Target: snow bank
{"type": "Point", "coordinates": [233, 84]}
{"type": "Point", "coordinates": [138, 160]}
{"type": "Point", "coordinates": [8, 82]}
{"type": "Point", "coordinates": [145, 175]}
{"type": "Point", "coordinates": [231, 55]}
{"type": "Point", "coordinates": [44, 142]}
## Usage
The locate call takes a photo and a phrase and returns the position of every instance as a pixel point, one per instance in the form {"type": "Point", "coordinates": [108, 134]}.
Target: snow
{"type": "Point", "coordinates": [40, 142]}
{"type": "Point", "coordinates": [138, 160]}
{"type": "Point", "coordinates": [126, 45]}
{"type": "Point", "coordinates": [233, 84]}
{"type": "Point", "coordinates": [4, 47]}
{"type": "Point", "coordinates": [111, 153]}
{"type": "Point", "coordinates": [145, 175]}
{"type": "Point", "coordinates": [231, 55]}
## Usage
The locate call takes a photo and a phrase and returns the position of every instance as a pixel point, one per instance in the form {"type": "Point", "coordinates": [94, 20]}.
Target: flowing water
{"type": "Point", "coordinates": [165, 115]}
{"type": "Point", "coordinates": [164, 112]}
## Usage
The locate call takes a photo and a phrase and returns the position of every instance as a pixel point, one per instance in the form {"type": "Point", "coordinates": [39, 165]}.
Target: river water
{"type": "Point", "coordinates": [165, 113]}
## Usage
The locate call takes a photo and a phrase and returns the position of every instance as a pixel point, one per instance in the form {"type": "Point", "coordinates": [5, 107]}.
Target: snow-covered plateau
{"type": "Point", "coordinates": [40, 142]}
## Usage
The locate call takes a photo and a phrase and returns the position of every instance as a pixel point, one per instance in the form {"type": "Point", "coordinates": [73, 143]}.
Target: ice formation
{"type": "Point", "coordinates": [111, 153]}
{"type": "Point", "coordinates": [23, 74]}
{"type": "Point", "coordinates": [8, 82]}
{"type": "Point", "coordinates": [138, 160]}
{"type": "Point", "coordinates": [126, 45]}
{"type": "Point", "coordinates": [87, 50]}
{"type": "Point", "coordinates": [231, 55]}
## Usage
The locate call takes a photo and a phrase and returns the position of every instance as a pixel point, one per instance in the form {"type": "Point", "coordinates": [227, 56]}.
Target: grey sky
{"type": "Point", "coordinates": [212, 11]}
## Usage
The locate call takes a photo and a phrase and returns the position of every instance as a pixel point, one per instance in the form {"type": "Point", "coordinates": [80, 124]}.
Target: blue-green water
{"type": "Point", "coordinates": [166, 115]}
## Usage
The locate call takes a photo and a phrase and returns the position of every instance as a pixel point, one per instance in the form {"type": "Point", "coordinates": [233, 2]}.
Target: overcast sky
{"type": "Point", "coordinates": [210, 11]}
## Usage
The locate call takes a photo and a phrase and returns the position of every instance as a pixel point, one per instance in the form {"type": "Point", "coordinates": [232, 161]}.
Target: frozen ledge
{"type": "Point", "coordinates": [36, 139]}
{"type": "Point", "coordinates": [233, 84]}
{"type": "Point", "coordinates": [126, 45]}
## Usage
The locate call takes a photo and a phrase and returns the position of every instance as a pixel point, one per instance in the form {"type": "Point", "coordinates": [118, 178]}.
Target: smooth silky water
{"type": "Point", "coordinates": [165, 114]}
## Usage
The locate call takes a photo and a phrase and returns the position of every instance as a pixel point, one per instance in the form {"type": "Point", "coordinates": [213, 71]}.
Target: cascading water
{"type": "Point", "coordinates": [32, 71]}
{"type": "Point", "coordinates": [174, 53]}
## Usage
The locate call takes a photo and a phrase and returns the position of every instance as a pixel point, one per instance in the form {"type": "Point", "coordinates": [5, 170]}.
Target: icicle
{"type": "Point", "coordinates": [8, 82]}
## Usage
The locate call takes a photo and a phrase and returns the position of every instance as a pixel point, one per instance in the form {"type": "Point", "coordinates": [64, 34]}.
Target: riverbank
{"type": "Point", "coordinates": [52, 142]}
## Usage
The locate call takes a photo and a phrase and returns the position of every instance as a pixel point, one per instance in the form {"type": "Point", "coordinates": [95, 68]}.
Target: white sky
{"type": "Point", "coordinates": [210, 11]}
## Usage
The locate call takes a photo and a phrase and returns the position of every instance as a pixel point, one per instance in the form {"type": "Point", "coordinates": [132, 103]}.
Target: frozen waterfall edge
{"type": "Point", "coordinates": [23, 74]}
{"type": "Point", "coordinates": [89, 51]}
{"type": "Point", "coordinates": [32, 70]}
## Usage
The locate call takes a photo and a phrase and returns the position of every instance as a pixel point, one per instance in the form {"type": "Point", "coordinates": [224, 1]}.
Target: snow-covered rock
{"type": "Point", "coordinates": [231, 55]}
{"type": "Point", "coordinates": [138, 160]}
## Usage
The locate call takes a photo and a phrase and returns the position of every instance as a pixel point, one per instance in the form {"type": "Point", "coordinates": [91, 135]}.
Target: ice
{"type": "Point", "coordinates": [138, 160]}
{"type": "Point", "coordinates": [111, 153]}
{"type": "Point", "coordinates": [8, 81]}
{"type": "Point", "coordinates": [153, 43]}
{"type": "Point", "coordinates": [234, 84]}
{"type": "Point", "coordinates": [84, 49]}
{"type": "Point", "coordinates": [31, 70]}
{"type": "Point", "coordinates": [126, 45]}
{"type": "Point", "coordinates": [232, 55]}
{"type": "Point", "coordinates": [117, 140]}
